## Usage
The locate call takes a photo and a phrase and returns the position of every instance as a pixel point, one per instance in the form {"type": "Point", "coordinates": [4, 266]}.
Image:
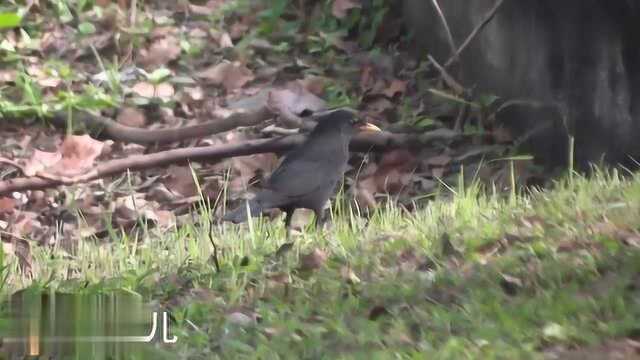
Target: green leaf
{"type": "Point", "coordinates": [487, 100]}
{"type": "Point", "coordinates": [513, 158]}
{"type": "Point", "coordinates": [158, 75]}
{"type": "Point", "coordinates": [64, 14]}
{"type": "Point", "coordinates": [555, 331]}
{"type": "Point", "coordinates": [9, 20]}
{"type": "Point", "coordinates": [86, 28]}
{"type": "Point", "coordinates": [454, 98]}
{"type": "Point", "coordinates": [7, 46]}
{"type": "Point", "coordinates": [424, 122]}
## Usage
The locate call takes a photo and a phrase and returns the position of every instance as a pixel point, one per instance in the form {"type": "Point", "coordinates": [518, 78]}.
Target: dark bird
{"type": "Point", "coordinates": [309, 174]}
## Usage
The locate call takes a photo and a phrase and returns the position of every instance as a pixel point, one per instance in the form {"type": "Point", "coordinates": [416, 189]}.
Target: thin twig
{"type": "Point", "coordinates": [488, 17]}
{"type": "Point", "coordinates": [460, 119]}
{"type": "Point", "coordinates": [452, 44]}
{"type": "Point", "coordinates": [448, 79]}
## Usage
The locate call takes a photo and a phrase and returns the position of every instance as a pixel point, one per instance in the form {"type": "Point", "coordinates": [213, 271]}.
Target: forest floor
{"type": "Point", "coordinates": [445, 246]}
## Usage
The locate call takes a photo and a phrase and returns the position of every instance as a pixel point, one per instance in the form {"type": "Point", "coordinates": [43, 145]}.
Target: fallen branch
{"type": "Point", "coordinates": [96, 125]}
{"type": "Point", "coordinates": [362, 142]}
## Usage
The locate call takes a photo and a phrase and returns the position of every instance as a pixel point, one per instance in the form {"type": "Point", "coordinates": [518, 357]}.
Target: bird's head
{"type": "Point", "coordinates": [342, 120]}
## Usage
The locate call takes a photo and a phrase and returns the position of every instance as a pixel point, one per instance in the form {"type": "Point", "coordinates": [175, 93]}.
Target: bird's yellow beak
{"type": "Point", "coordinates": [367, 127]}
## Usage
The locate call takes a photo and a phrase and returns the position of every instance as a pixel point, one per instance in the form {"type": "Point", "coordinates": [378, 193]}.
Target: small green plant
{"type": "Point", "coordinates": [271, 17]}
{"type": "Point", "coordinates": [9, 20]}
{"type": "Point", "coordinates": [4, 271]}
{"type": "Point", "coordinates": [338, 95]}
{"type": "Point", "coordinates": [368, 26]}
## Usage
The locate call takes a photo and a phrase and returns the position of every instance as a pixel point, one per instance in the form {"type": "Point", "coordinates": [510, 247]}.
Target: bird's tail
{"type": "Point", "coordinates": [239, 215]}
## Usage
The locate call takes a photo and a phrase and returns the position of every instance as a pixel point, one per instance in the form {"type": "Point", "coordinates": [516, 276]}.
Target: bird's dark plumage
{"type": "Point", "coordinates": [309, 174]}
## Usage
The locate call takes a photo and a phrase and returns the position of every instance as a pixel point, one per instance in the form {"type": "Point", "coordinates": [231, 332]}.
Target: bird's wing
{"type": "Point", "coordinates": [296, 177]}
{"type": "Point", "coordinates": [315, 165]}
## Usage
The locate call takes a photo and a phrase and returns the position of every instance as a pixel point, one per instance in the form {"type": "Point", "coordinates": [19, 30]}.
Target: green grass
{"type": "Point", "coordinates": [473, 276]}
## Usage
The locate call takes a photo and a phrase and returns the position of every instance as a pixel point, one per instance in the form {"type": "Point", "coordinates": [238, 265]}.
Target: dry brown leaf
{"type": "Point", "coordinates": [43, 78]}
{"type": "Point", "coordinates": [132, 117]}
{"type": "Point", "coordinates": [99, 41]}
{"type": "Point", "coordinates": [56, 39]}
{"type": "Point", "coordinates": [313, 261]}
{"type": "Point", "coordinates": [245, 168]}
{"type": "Point", "coordinates": [24, 223]}
{"type": "Point", "coordinates": [569, 245]}
{"type": "Point", "coordinates": [367, 79]}
{"type": "Point", "coordinates": [533, 221]}
{"type": "Point", "coordinates": [392, 181]}
{"type": "Point", "coordinates": [179, 180]}
{"type": "Point", "coordinates": [231, 76]}
{"type": "Point", "coordinates": [271, 332]}
{"type": "Point", "coordinates": [41, 160]}
{"type": "Point", "coordinates": [340, 7]}
{"type": "Point", "coordinates": [127, 209]}
{"type": "Point", "coordinates": [160, 193]}
{"type": "Point", "coordinates": [7, 205]}
{"type": "Point", "coordinates": [314, 84]}
{"type": "Point", "coordinates": [163, 31]}
{"type": "Point", "coordinates": [248, 167]}
{"type": "Point", "coordinates": [349, 276]}
{"type": "Point", "coordinates": [380, 105]}
{"type": "Point", "coordinates": [391, 175]}
{"type": "Point", "coordinates": [198, 33]}
{"type": "Point", "coordinates": [396, 87]}
{"type": "Point", "coordinates": [399, 158]}
{"type": "Point", "coordinates": [194, 93]}
{"type": "Point", "coordinates": [78, 154]}
{"type": "Point", "coordinates": [294, 100]}
{"type": "Point", "coordinates": [164, 91]}
{"type": "Point", "coordinates": [238, 29]}
{"type": "Point", "coordinates": [378, 88]}
{"type": "Point", "coordinates": [207, 9]}
{"type": "Point", "coordinates": [75, 156]}
{"type": "Point", "coordinates": [8, 75]}
{"type": "Point", "coordinates": [240, 319]}
{"type": "Point", "coordinates": [364, 193]}
{"type": "Point", "coordinates": [144, 89]}
{"type": "Point", "coordinates": [225, 41]}
{"type": "Point", "coordinates": [161, 52]}
{"type": "Point", "coordinates": [164, 219]}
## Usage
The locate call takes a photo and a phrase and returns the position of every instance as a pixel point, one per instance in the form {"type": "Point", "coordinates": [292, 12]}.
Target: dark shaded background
{"type": "Point", "coordinates": [580, 58]}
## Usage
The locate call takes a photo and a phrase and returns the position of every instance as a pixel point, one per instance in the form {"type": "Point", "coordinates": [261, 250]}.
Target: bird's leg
{"type": "Point", "coordinates": [287, 222]}
{"type": "Point", "coordinates": [320, 217]}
